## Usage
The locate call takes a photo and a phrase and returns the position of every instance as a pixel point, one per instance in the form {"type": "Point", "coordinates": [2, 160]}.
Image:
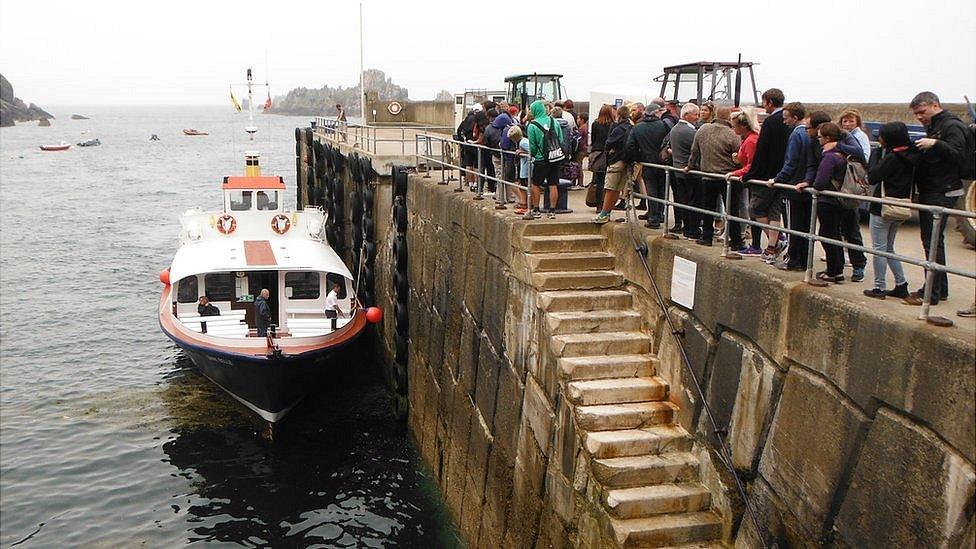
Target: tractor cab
{"type": "Point", "coordinates": [728, 83]}
{"type": "Point", "coordinates": [523, 89]}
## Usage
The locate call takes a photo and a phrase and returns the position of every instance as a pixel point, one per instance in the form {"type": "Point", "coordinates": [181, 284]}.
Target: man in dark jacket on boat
{"type": "Point", "coordinates": [206, 308]}
{"type": "Point", "coordinates": [262, 312]}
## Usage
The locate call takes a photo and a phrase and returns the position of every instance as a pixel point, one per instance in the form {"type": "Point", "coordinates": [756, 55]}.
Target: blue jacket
{"type": "Point", "coordinates": [262, 312]}
{"type": "Point", "coordinates": [504, 121]}
{"type": "Point", "coordinates": [795, 161]}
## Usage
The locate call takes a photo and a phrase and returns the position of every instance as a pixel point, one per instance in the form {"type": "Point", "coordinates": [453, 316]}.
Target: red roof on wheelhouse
{"type": "Point", "coordinates": [254, 182]}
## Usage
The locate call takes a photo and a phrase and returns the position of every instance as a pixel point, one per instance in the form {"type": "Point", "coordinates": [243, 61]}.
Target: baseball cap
{"type": "Point", "coordinates": [656, 105]}
{"type": "Point", "coordinates": [477, 107]}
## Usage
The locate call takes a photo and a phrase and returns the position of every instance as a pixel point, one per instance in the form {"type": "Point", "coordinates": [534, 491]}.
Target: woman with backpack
{"type": "Point", "coordinates": [832, 168]}
{"type": "Point", "coordinates": [892, 177]}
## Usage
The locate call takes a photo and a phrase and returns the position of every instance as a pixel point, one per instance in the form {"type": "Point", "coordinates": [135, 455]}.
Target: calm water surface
{"type": "Point", "coordinates": [108, 436]}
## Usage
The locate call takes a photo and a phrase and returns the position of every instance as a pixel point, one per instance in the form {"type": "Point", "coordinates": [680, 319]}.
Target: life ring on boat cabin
{"type": "Point", "coordinates": [394, 108]}
{"type": "Point", "coordinates": [226, 224]}
{"type": "Point", "coordinates": [280, 223]}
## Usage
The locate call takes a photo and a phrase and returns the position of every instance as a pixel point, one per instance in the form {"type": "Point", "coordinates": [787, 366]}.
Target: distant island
{"type": "Point", "coordinates": [13, 109]}
{"type": "Point", "coordinates": [78, 117]}
{"type": "Point", "coordinates": [322, 101]}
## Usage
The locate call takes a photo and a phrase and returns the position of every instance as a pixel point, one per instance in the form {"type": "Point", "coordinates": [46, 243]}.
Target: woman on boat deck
{"type": "Point", "coordinates": [206, 308]}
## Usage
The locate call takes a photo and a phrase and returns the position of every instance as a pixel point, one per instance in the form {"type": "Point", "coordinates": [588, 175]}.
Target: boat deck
{"type": "Point", "coordinates": [232, 325]}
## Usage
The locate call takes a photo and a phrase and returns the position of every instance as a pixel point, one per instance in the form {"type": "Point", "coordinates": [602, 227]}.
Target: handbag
{"type": "Point", "coordinates": [597, 161]}
{"type": "Point", "coordinates": [591, 195]}
{"type": "Point", "coordinates": [893, 212]}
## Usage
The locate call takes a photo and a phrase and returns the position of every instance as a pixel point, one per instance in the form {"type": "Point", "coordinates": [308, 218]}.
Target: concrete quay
{"type": "Point", "coordinates": [548, 397]}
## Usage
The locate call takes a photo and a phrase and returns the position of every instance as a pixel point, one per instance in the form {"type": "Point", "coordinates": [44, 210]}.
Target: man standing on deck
{"type": "Point", "coordinates": [262, 312]}
{"type": "Point", "coordinates": [341, 120]}
{"type": "Point", "coordinates": [938, 179]}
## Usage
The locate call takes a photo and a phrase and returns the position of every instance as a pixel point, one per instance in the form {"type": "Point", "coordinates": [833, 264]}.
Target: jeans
{"type": "Point", "coordinates": [940, 284]}
{"type": "Point", "coordinates": [686, 190]}
{"type": "Point", "coordinates": [657, 188]}
{"type": "Point", "coordinates": [883, 240]}
{"type": "Point", "coordinates": [830, 217]}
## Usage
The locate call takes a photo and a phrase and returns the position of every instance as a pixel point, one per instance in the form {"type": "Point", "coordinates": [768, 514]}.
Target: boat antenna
{"type": "Point", "coordinates": [362, 69]}
{"type": "Point", "coordinates": [251, 129]}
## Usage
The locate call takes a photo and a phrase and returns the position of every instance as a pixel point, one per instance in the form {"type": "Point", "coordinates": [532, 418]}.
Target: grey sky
{"type": "Point", "coordinates": [182, 52]}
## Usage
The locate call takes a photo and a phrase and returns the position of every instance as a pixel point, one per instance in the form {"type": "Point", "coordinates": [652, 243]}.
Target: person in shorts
{"type": "Point", "coordinates": [618, 168]}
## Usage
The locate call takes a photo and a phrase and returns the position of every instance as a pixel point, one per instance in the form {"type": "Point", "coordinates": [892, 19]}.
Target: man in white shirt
{"type": "Point", "coordinates": [332, 309]}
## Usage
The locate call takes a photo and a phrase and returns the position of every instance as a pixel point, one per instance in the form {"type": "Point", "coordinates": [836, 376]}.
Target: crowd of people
{"type": "Point", "coordinates": [791, 147]}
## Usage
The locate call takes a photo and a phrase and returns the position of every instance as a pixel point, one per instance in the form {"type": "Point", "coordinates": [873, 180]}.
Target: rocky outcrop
{"type": "Point", "coordinates": [322, 101]}
{"type": "Point", "coordinates": [13, 110]}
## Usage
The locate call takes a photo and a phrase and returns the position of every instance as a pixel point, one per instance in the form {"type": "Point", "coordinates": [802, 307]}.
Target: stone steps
{"type": "Point", "coordinates": [606, 367]}
{"type": "Point", "coordinates": [563, 243]}
{"type": "Point", "coordinates": [637, 442]}
{"type": "Point", "coordinates": [617, 390]}
{"type": "Point", "coordinates": [625, 472]}
{"type": "Point", "coordinates": [632, 415]}
{"type": "Point", "coordinates": [558, 227]}
{"type": "Point", "coordinates": [579, 300]}
{"type": "Point", "coordinates": [577, 280]}
{"type": "Point", "coordinates": [605, 343]}
{"type": "Point", "coordinates": [571, 261]}
{"type": "Point", "coordinates": [579, 322]}
{"type": "Point", "coordinates": [658, 499]}
{"type": "Point", "coordinates": [665, 530]}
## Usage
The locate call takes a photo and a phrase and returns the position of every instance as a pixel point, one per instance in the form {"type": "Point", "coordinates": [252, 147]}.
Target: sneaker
{"type": "Point", "coordinates": [520, 210]}
{"type": "Point", "coordinates": [529, 215]}
{"type": "Point", "coordinates": [858, 274]}
{"type": "Point", "coordinates": [704, 242]}
{"type": "Point", "coordinates": [768, 256]}
{"type": "Point", "coordinates": [602, 218]}
{"type": "Point", "coordinates": [652, 225]}
{"type": "Point", "coordinates": [677, 229]}
{"type": "Point", "coordinates": [552, 214]}
{"type": "Point", "coordinates": [874, 292]}
{"type": "Point", "coordinates": [899, 291]}
{"type": "Point", "coordinates": [917, 301]}
{"type": "Point", "coordinates": [642, 217]}
{"type": "Point", "coordinates": [967, 313]}
{"type": "Point", "coordinates": [750, 251]}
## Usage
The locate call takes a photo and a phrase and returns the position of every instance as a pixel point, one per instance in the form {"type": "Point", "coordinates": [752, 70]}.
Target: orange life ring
{"type": "Point", "coordinates": [224, 227]}
{"type": "Point", "coordinates": [275, 222]}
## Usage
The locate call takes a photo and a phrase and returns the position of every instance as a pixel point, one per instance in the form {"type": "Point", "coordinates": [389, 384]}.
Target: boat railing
{"type": "Point", "coordinates": [376, 138]}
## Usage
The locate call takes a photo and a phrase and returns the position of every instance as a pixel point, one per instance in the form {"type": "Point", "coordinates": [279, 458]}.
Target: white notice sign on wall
{"type": "Point", "coordinates": [683, 275]}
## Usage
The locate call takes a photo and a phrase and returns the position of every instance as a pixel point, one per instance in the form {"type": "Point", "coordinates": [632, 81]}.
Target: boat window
{"type": "Point", "coordinates": [187, 290]}
{"type": "Point", "coordinates": [220, 287]}
{"type": "Point", "coordinates": [303, 285]}
{"type": "Point", "coordinates": [240, 200]}
{"type": "Point", "coordinates": [333, 278]}
{"type": "Point", "coordinates": [267, 200]}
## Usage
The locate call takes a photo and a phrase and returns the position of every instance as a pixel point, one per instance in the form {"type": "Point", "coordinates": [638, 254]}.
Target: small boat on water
{"type": "Point", "coordinates": [90, 143]}
{"type": "Point", "coordinates": [62, 146]}
{"type": "Point", "coordinates": [234, 254]}
{"type": "Point", "coordinates": [191, 131]}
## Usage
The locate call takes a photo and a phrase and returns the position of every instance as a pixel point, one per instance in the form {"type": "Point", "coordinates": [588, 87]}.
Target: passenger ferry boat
{"type": "Point", "coordinates": [229, 255]}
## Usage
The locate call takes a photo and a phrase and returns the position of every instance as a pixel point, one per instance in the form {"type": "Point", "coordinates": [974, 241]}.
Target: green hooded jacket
{"type": "Point", "coordinates": [537, 137]}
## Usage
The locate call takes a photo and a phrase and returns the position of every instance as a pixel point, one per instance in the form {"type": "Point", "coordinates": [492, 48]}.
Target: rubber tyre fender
{"type": "Point", "coordinates": [366, 296]}
{"type": "Point", "coordinates": [400, 249]}
{"type": "Point", "coordinates": [401, 260]}
{"type": "Point", "coordinates": [298, 135]}
{"type": "Point", "coordinates": [400, 375]}
{"type": "Point", "coordinates": [368, 229]}
{"type": "Point", "coordinates": [369, 253]}
{"type": "Point", "coordinates": [369, 197]}
{"type": "Point", "coordinates": [356, 205]}
{"type": "Point", "coordinates": [401, 286]}
{"type": "Point", "coordinates": [402, 313]}
{"type": "Point", "coordinates": [399, 182]}
{"type": "Point", "coordinates": [400, 217]}
{"type": "Point", "coordinates": [357, 245]}
{"type": "Point", "coordinates": [400, 347]}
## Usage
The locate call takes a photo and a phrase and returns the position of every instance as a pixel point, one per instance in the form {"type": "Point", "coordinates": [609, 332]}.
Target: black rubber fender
{"type": "Point", "coordinates": [402, 313]}
{"type": "Point", "coordinates": [400, 248]}
{"type": "Point", "coordinates": [400, 217]}
{"type": "Point", "coordinates": [356, 205]}
{"type": "Point", "coordinates": [401, 260]}
{"type": "Point", "coordinates": [401, 286]}
{"type": "Point", "coordinates": [368, 228]}
{"type": "Point", "coordinates": [399, 181]}
{"type": "Point", "coordinates": [369, 252]}
{"type": "Point", "coordinates": [366, 296]}
{"type": "Point", "coordinates": [369, 197]}
{"type": "Point", "coordinates": [400, 376]}
{"type": "Point", "coordinates": [400, 347]}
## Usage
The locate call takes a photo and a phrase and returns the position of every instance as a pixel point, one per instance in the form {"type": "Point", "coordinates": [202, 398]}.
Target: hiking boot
{"type": "Point", "coordinates": [899, 291]}
{"type": "Point", "coordinates": [874, 292]}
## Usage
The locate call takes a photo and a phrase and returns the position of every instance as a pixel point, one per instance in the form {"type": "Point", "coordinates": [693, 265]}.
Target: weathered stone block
{"type": "Point", "coordinates": [698, 342]}
{"type": "Point", "coordinates": [520, 321]}
{"type": "Point", "coordinates": [474, 288]}
{"type": "Point", "coordinates": [559, 494]}
{"type": "Point", "coordinates": [498, 238]}
{"type": "Point", "coordinates": [552, 532]}
{"type": "Point", "coordinates": [471, 512]}
{"type": "Point", "coordinates": [458, 452]}
{"type": "Point", "coordinates": [479, 445]}
{"type": "Point", "coordinates": [470, 349]}
{"type": "Point", "coordinates": [531, 461]}
{"type": "Point", "coordinates": [760, 381]}
{"type": "Point", "coordinates": [486, 389]}
{"type": "Point", "coordinates": [508, 411]}
{"type": "Point", "coordinates": [435, 342]}
{"type": "Point", "coordinates": [523, 514]}
{"type": "Point", "coordinates": [898, 361]}
{"type": "Point", "coordinates": [812, 440]}
{"type": "Point", "coordinates": [498, 490]}
{"type": "Point", "coordinates": [567, 443]}
{"type": "Point", "coordinates": [494, 303]}
{"type": "Point", "coordinates": [909, 489]}
{"type": "Point", "coordinates": [538, 414]}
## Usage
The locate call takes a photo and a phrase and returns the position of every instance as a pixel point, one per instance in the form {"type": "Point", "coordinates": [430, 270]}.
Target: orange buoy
{"type": "Point", "coordinates": [164, 276]}
{"type": "Point", "coordinates": [373, 314]}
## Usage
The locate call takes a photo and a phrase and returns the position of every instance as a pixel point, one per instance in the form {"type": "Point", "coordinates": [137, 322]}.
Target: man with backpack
{"type": "Point", "coordinates": [546, 149]}
{"type": "Point", "coordinates": [947, 159]}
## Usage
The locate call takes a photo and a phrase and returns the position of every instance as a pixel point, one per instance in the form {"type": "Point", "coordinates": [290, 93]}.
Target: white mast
{"type": "Point", "coordinates": [251, 129]}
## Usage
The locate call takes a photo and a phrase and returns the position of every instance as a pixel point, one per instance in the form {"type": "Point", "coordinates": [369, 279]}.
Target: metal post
{"type": "Point", "coordinates": [480, 179]}
{"type": "Point", "coordinates": [501, 194]}
{"type": "Point", "coordinates": [443, 166]}
{"type": "Point", "coordinates": [933, 254]}
{"type": "Point", "coordinates": [427, 154]}
{"type": "Point", "coordinates": [667, 186]}
{"type": "Point", "coordinates": [812, 243]}
{"type": "Point", "coordinates": [726, 248]}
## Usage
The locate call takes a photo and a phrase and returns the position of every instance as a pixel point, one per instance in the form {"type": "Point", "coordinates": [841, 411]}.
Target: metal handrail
{"type": "Point", "coordinates": [929, 264]}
